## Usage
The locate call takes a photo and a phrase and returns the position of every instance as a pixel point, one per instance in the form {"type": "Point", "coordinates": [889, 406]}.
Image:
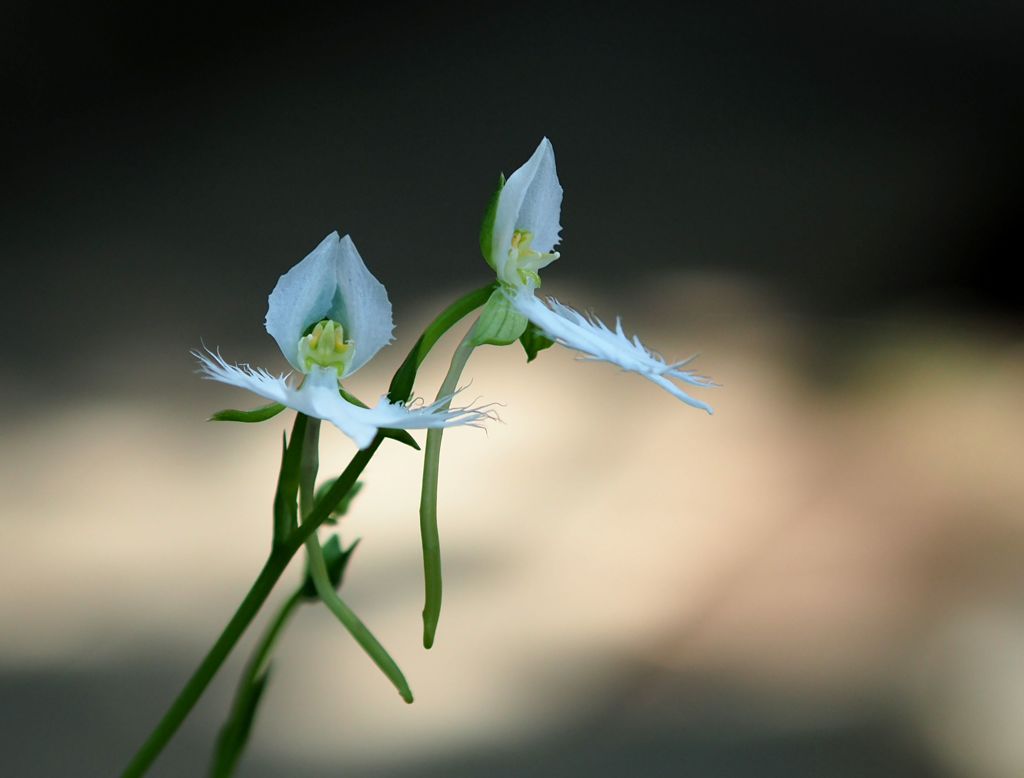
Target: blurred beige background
{"type": "Point", "coordinates": [832, 563]}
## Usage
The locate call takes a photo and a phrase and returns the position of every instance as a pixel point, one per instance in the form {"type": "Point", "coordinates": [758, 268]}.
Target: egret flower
{"type": "Point", "coordinates": [329, 316]}
{"type": "Point", "coordinates": [520, 231]}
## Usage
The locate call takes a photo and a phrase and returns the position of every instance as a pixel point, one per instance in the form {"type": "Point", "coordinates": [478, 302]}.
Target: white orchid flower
{"type": "Point", "coordinates": [524, 231]}
{"type": "Point", "coordinates": [329, 316]}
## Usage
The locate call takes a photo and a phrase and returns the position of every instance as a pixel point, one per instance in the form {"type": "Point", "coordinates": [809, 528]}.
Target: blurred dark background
{"type": "Point", "coordinates": [164, 163]}
{"type": "Point", "coordinates": [852, 157]}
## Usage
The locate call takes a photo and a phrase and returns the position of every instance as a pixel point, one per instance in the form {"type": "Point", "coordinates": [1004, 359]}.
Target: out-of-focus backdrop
{"type": "Point", "coordinates": [825, 578]}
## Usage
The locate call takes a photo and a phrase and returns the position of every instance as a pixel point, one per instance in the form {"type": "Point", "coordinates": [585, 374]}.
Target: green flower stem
{"type": "Point", "coordinates": [428, 499]}
{"type": "Point", "coordinates": [283, 551]}
{"type": "Point", "coordinates": [309, 466]}
{"type": "Point", "coordinates": [228, 751]}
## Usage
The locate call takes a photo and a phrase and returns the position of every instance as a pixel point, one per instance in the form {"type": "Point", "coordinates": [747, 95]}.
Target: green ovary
{"type": "Point", "coordinates": [325, 346]}
{"type": "Point", "coordinates": [524, 261]}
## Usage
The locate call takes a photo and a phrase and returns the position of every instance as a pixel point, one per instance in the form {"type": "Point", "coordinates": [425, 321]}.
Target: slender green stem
{"type": "Point", "coordinates": [189, 695]}
{"type": "Point", "coordinates": [228, 747]}
{"type": "Point", "coordinates": [309, 467]}
{"type": "Point", "coordinates": [428, 500]}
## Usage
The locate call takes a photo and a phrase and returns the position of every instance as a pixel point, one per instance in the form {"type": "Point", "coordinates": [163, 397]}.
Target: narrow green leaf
{"type": "Point", "coordinates": [487, 226]}
{"type": "Point", "coordinates": [336, 570]}
{"type": "Point", "coordinates": [286, 511]}
{"type": "Point", "coordinates": [402, 436]}
{"type": "Point", "coordinates": [235, 733]}
{"type": "Point", "coordinates": [262, 413]}
{"type": "Point", "coordinates": [404, 378]}
{"type": "Point", "coordinates": [342, 507]}
{"type": "Point", "coordinates": [336, 558]}
{"type": "Point", "coordinates": [284, 517]}
{"type": "Point", "coordinates": [534, 341]}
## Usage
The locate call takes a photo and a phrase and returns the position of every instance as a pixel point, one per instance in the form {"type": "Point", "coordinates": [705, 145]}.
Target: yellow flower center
{"type": "Point", "coordinates": [325, 346]}
{"type": "Point", "coordinates": [524, 261]}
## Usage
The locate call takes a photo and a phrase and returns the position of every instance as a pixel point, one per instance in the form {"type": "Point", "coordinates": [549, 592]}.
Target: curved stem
{"type": "Point", "coordinates": [428, 499]}
{"type": "Point", "coordinates": [351, 622]}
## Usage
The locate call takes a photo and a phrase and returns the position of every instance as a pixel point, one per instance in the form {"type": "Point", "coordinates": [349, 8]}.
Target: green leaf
{"type": "Point", "coordinates": [534, 341]}
{"type": "Point", "coordinates": [235, 734]}
{"type": "Point", "coordinates": [286, 509]}
{"type": "Point", "coordinates": [487, 226]}
{"type": "Point", "coordinates": [336, 558]}
{"type": "Point", "coordinates": [499, 323]}
{"type": "Point", "coordinates": [402, 436]}
{"type": "Point", "coordinates": [342, 507]}
{"type": "Point", "coordinates": [262, 413]}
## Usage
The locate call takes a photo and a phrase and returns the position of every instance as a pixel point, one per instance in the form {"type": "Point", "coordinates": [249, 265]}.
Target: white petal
{"type": "Point", "coordinates": [332, 282]}
{"type": "Point", "coordinates": [531, 200]}
{"type": "Point", "coordinates": [597, 341]}
{"type": "Point", "coordinates": [319, 397]}
{"type": "Point", "coordinates": [361, 306]}
{"type": "Point", "coordinates": [302, 297]}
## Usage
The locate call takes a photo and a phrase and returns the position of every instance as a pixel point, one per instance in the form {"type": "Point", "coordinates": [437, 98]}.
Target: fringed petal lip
{"type": "Point", "coordinates": [318, 397]}
{"type": "Point", "coordinates": [597, 341]}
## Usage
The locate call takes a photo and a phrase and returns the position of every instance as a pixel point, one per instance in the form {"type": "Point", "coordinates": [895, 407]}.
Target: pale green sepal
{"type": "Point", "coordinates": [499, 324]}
{"type": "Point", "coordinates": [534, 341]}
{"type": "Point", "coordinates": [262, 413]}
{"type": "Point", "coordinates": [487, 226]}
